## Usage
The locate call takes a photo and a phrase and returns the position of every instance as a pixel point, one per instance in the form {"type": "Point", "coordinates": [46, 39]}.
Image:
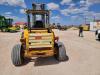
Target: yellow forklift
{"type": "Point", "coordinates": [38, 40]}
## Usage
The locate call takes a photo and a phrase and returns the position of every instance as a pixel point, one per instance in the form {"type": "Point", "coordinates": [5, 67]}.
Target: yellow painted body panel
{"type": "Point", "coordinates": [85, 28]}
{"type": "Point", "coordinates": [39, 46]}
{"type": "Point", "coordinates": [39, 31]}
{"type": "Point", "coordinates": [46, 41]}
{"type": "Point", "coordinates": [26, 37]}
{"type": "Point", "coordinates": [43, 38]}
{"type": "Point", "coordinates": [30, 54]}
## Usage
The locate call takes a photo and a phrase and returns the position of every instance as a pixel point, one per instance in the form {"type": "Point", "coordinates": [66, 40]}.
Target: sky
{"type": "Point", "coordinates": [65, 12]}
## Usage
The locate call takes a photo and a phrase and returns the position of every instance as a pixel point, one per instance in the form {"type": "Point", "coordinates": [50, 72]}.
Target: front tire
{"type": "Point", "coordinates": [61, 52]}
{"type": "Point", "coordinates": [17, 55]}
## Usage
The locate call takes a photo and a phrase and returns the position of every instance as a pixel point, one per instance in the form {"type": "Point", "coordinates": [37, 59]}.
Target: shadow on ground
{"type": "Point", "coordinates": [98, 40]}
{"type": "Point", "coordinates": [43, 61]}
{"type": "Point", "coordinates": [47, 61]}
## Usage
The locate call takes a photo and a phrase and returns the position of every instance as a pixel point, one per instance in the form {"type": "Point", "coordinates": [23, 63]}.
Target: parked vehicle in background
{"type": "Point", "coordinates": [6, 24]}
{"type": "Point", "coordinates": [97, 34]}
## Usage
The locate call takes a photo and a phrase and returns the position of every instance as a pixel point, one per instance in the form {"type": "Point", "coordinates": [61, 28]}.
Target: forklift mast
{"type": "Point", "coordinates": [38, 17]}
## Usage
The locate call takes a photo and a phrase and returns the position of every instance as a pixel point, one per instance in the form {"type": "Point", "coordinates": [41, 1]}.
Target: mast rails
{"type": "Point", "coordinates": [38, 9]}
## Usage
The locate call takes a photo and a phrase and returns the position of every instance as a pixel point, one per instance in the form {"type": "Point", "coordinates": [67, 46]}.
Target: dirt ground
{"type": "Point", "coordinates": [83, 53]}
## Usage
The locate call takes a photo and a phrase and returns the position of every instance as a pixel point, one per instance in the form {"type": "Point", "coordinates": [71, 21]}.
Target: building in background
{"type": "Point", "coordinates": [95, 25]}
{"type": "Point", "coordinates": [20, 24]}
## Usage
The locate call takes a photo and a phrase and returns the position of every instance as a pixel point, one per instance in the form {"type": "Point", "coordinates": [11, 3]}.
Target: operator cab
{"type": "Point", "coordinates": [37, 17]}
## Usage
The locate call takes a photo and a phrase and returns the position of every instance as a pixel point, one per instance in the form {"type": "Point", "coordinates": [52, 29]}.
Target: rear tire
{"type": "Point", "coordinates": [17, 55]}
{"type": "Point", "coordinates": [61, 52]}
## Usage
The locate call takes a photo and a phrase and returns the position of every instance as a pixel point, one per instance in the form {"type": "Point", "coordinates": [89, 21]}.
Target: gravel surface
{"type": "Point", "coordinates": [83, 53]}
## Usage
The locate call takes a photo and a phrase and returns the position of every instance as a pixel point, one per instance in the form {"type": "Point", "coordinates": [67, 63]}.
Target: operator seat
{"type": "Point", "coordinates": [39, 24]}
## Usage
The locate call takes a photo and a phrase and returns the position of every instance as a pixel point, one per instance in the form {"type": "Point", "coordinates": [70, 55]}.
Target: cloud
{"type": "Point", "coordinates": [11, 16]}
{"type": "Point", "coordinates": [8, 13]}
{"type": "Point", "coordinates": [22, 11]}
{"type": "Point", "coordinates": [65, 1]}
{"type": "Point", "coordinates": [88, 3]}
{"type": "Point", "coordinates": [14, 3]}
{"type": "Point", "coordinates": [83, 3]}
{"type": "Point", "coordinates": [77, 18]}
{"type": "Point", "coordinates": [53, 6]}
{"type": "Point", "coordinates": [74, 17]}
{"type": "Point", "coordinates": [56, 17]}
{"type": "Point", "coordinates": [92, 15]}
{"type": "Point", "coordinates": [72, 6]}
{"type": "Point", "coordinates": [73, 10]}
{"type": "Point", "coordinates": [92, 1]}
{"type": "Point", "coordinates": [88, 13]}
{"type": "Point", "coordinates": [97, 16]}
{"type": "Point", "coordinates": [64, 12]}
{"type": "Point", "coordinates": [15, 18]}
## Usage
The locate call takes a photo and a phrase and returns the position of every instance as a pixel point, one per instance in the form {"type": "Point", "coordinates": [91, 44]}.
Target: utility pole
{"type": "Point", "coordinates": [94, 18]}
{"type": "Point", "coordinates": [85, 19]}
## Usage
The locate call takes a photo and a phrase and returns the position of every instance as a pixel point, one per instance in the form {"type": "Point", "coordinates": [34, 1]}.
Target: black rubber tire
{"type": "Point", "coordinates": [17, 55]}
{"type": "Point", "coordinates": [99, 36]}
{"type": "Point", "coordinates": [56, 51]}
{"type": "Point", "coordinates": [61, 52]}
